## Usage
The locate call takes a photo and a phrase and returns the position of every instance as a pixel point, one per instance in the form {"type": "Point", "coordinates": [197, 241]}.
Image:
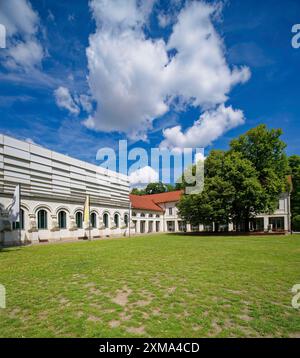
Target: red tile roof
{"type": "Point", "coordinates": [150, 202]}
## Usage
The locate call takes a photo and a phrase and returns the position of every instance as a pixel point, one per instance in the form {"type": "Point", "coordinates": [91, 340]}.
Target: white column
{"type": "Point", "coordinates": [176, 226]}
{"type": "Point", "coordinates": [138, 226]}
{"type": "Point", "coordinates": [266, 222]}
{"type": "Point", "coordinates": [146, 226]}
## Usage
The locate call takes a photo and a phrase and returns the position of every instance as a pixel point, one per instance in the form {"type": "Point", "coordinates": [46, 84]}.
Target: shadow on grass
{"type": "Point", "coordinates": [6, 250]}
{"type": "Point", "coordinates": [225, 234]}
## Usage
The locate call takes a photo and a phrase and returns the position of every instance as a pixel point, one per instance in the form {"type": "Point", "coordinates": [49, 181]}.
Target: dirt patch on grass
{"type": "Point", "coordinates": [93, 318]}
{"type": "Point", "coordinates": [94, 291]}
{"type": "Point", "coordinates": [124, 316]}
{"type": "Point", "coordinates": [245, 317]}
{"type": "Point", "coordinates": [171, 290]}
{"type": "Point", "coordinates": [114, 324]}
{"type": "Point", "coordinates": [79, 314]}
{"type": "Point", "coordinates": [234, 292]}
{"type": "Point", "coordinates": [122, 296]}
{"type": "Point", "coordinates": [136, 330]}
{"type": "Point", "coordinates": [216, 329]}
{"type": "Point", "coordinates": [294, 335]}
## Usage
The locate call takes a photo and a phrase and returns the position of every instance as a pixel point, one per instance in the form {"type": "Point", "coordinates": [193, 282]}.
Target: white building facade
{"type": "Point", "coordinates": [54, 188]}
{"type": "Point", "coordinates": [158, 213]}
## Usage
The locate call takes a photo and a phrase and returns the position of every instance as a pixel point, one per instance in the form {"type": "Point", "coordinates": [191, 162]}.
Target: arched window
{"type": "Point", "coordinates": [62, 220]}
{"type": "Point", "coordinates": [42, 219]}
{"type": "Point", "coordinates": [18, 225]}
{"type": "Point", "coordinates": [143, 215]}
{"type": "Point", "coordinates": [22, 219]}
{"type": "Point", "coordinates": [116, 220]}
{"type": "Point", "coordinates": [79, 219]}
{"type": "Point", "coordinates": [93, 220]}
{"type": "Point", "coordinates": [105, 220]}
{"type": "Point", "coordinates": [126, 220]}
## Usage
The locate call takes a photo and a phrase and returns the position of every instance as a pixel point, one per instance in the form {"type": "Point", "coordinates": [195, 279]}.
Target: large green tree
{"type": "Point", "coordinates": [242, 182]}
{"type": "Point", "coordinates": [155, 188]}
{"type": "Point", "coordinates": [294, 163]}
{"type": "Point", "coordinates": [264, 148]}
{"type": "Point", "coordinates": [137, 191]}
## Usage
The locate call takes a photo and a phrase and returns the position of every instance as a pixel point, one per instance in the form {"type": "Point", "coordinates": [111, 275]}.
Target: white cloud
{"type": "Point", "coordinates": [18, 17]}
{"type": "Point", "coordinates": [209, 127]}
{"type": "Point", "coordinates": [144, 175]}
{"type": "Point", "coordinates": [86, 102]}
{"type": "Point", "coordinates": [65, 100]}
{"type": "Point", "coordinates": [164, 20]}
{"type": "Point", "coordinates": [134, 80]}
{"type": "Point", "coordinates": [199, 157]}
{"type": "Point", "coordinates": [25, 54]}
{"type": "Point", "coordinates": [24, 51]}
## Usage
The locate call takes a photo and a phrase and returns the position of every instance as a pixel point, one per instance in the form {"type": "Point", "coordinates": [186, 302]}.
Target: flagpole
{"type": "Point", "coordinates": [129, 221]}
{"type": "Point", "coordinates": [89, 221]}
{"type": "Point", "coordinates": [20, 216]}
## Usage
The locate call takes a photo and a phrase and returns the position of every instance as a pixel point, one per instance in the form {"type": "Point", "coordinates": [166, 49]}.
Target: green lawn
{"type": "Point", "coordinates": [153, 286]}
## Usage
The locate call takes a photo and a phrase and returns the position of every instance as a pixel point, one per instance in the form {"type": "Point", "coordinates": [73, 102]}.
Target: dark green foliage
{"type": "Point", "coordinates": [294, 162]}
{"type": "Point", "coordinates": [242, 182]}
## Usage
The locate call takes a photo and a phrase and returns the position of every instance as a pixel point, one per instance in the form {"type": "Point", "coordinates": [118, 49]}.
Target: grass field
{"type": "Point", "coordinates": [153, 286]}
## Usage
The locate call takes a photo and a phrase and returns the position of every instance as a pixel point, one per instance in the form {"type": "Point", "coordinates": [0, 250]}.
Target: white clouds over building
{"type": "Point", "coordinates": [22, 23]}
{"type": "Point", "coordinates": [134, 79]}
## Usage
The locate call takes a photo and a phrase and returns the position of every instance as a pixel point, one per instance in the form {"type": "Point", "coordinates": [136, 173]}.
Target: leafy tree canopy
{"type": "Point", "coordinates": [241, 182]}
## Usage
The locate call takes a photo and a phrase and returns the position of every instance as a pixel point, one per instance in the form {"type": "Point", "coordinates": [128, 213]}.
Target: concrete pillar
{"type": "Point", "coordinates": [138, 226]}
{"type": "Point", "coordinates": [266, 223]}
{"type": "Point", "coordinates": [286, 223]}
{"type": "Point", "coordinates": [146, 226]}
{"type": "Point", "coordinates": [176, 228]}
{"type": "Point", "coordinates": [188, 227]}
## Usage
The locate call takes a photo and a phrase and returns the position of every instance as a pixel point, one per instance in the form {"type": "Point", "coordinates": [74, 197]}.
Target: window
{"type": "Point", "coordinates": [195, 227]}
{"type": "Point", "coordinates": [22, 219]}
{"type": "Point", "coordinates": [42, 219]}
{"type": "Point", "coordinates": [16, 225]}
{"type": "Point", "coordinates": [150, 215]}
{"type": "Point", "coordinates": [62, 220]}
{"type": "Point", "coordinates": [170, 211]}
{"type": "Point", "coordinates": [93, 220]}
{"type": "Point", "coordinates": [79, 219]}
{"type": "Point", "coordinates": [134, 213]}
{"type": "Point", "coordinates": [157, 226]}
{"type": "Point", "coordinates": [105, 220]}
{"type": "Point", "coordinates": [142, 226]}
{"type": "Point", "coordinates": [126, 220]}
{"type": "Point", "coordinates": [182, 226]}
{"type": "Point", "coordinates": [150, 226]}
{"type": "Point", "coordinates": [277, 223]}
{"type": "Point", "coordinates": [143, 215]}
{"type": "Point", "coordinates": [116, 220]}
{"type": "Point", "coordinates": [171, 225]}
{"type": "Point", "coordinates": [157, 215]}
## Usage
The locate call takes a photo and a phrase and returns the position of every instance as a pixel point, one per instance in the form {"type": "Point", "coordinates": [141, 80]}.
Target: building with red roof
{"type": "Point", "coordinates": [156, 212]}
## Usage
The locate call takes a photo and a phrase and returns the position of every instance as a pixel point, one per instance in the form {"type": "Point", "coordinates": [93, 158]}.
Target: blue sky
{"type": "Point", "coordinates": [63, 89]}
